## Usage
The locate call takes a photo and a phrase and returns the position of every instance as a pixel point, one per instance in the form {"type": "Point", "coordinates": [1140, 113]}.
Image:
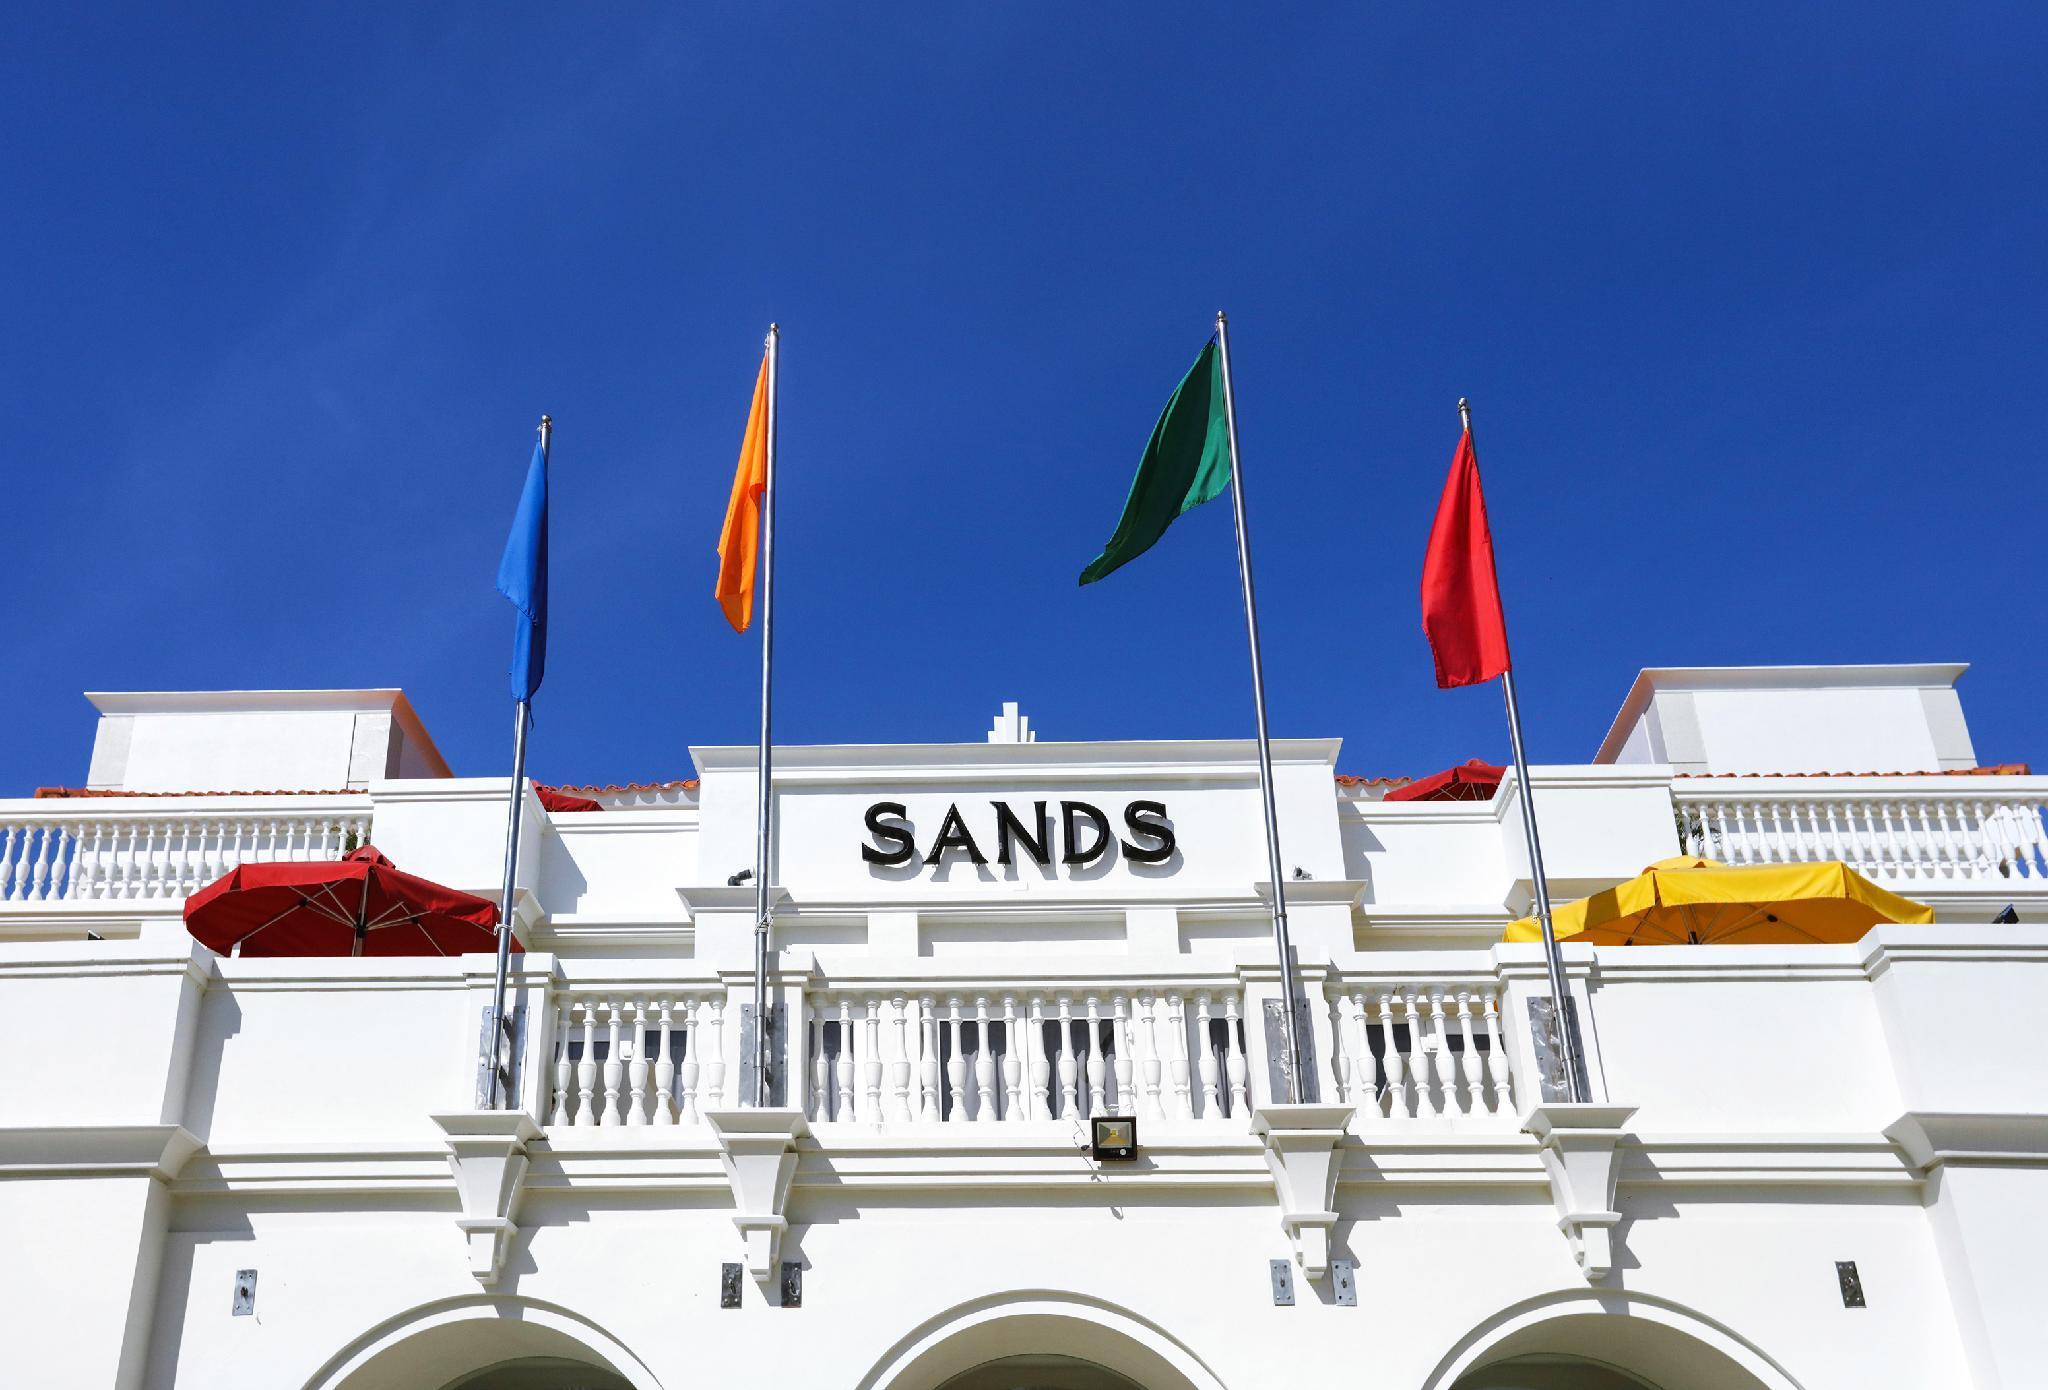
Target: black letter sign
{"type": "Point", "coordinates": [953, 835]}
{"type": "Point", "coordinates": [897, 835]}
{"type": "Point", "coordinates": [1147, 821]}
{"type": "Point", "coordinates": [1076, 853]}
{"type": "Point", "coordinates": [1008, 826]}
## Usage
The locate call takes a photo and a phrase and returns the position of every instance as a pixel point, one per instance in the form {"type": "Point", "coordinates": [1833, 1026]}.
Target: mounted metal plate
{"type": "Point", "coordinates": [503, 1052]}
{"type": "Point", "coordinates": [1277, 1060]}
{"type": "Point", "coordinates": [792, 1284]}
{"type": "Point", "coordinates": [1550, 1050]}
{"type": "Point", "coordinates": [1851, 1282]}
{"type": "Point", "coordinates": [778, 1044]}
{"type": "Point", "coordinates": [1344, 1282]}
{"type": "Point", "coordinates": [245, 1293]}
{"type": "Point", "coordinates": [729, 1277]}
{"type": "Point", "coordinates": [1283, 1283]}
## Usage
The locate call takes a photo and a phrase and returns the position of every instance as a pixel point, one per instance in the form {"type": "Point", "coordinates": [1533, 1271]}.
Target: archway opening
{"type": "Point", "coordinates": [1040, 1373]}
{"type": "Point", "coordinates": [1551, 1373]}
{"type": "Point", "coordinates": [1633, 1349]}
{"type": "Point", "coordinates": [540, 1373]}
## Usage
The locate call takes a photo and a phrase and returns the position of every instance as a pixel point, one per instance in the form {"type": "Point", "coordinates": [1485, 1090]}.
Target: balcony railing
{"type": "Point", "coordinates": [98, 852]}
{"type": "Point", "coordinates": [657, 1058]}
{"type": "Point", "coordinates": [1009, 1052]}
{"type": "Point", "coordinates": [1429, 1053]}
{"type": "Point", "coordinates": [1902, 830]}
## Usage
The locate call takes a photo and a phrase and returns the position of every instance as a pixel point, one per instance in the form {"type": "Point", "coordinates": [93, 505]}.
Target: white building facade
{"type": "Point", "coordinates": [1804, 1168]}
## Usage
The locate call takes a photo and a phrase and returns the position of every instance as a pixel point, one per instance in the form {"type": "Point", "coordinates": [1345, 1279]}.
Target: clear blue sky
{"type": "Point", "coordinates": [1751, 301]}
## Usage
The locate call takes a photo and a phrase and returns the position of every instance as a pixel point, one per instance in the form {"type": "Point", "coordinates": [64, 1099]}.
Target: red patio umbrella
{"type": "Point", "coordinates": [358, 905]}
{"type": "Point", "coordinates": [1472, 780]}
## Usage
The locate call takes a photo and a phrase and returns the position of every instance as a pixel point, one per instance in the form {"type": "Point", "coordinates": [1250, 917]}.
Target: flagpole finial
{"type": "Point", "coordinates": [1465, 412]}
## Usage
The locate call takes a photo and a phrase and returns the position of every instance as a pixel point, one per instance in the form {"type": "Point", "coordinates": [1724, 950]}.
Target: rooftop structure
{"type": "Point", "coordinates": [1802, 1168]}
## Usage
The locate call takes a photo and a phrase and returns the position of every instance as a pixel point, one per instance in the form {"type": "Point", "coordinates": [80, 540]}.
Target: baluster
{"type": "Point", "coordinates": [10, 846]}
{"type": "Point", "coordinates": [818, 1104]}
{"type": "Point", "coordinates": [565, 1024]}
{"type": "Point", "coordinates": [1343, 1061]}
{"type": "Point", "coordinates": [1235, 1072]}
{"type": "Point", "coordinates": [1210, 1077]}
{"type": "Point", "coordinates": [1150, 1066]}
{"type": "Point", "coordinates": [1396, 1057]}
{"type": "Point", "coordinates": [1831, 835]}
{"type": "Point", "coordinates": [1041, 1068]}
{"type": "Point", "coordinates": [636, 1065]}
{"type": "Point", "coordinates": [1777, 845]}
{"type": "Point", "coordinates": [871, 1058]}
{"type": "Point", "coordinates": [665, 1069]}
{"type": "Point", "coordinates": [1177, 1056]}
{"type": "Point", "coordinates": [984, 1064]}
{"type": "Point", "coordinates": [712, 1030]}
{"type": "Point", "coordinates": [1475, 1086]}
{"type": "Point", "coordinates": [1126, 1054]}
{"type": "Point", "coordinates": [84, 860]}
{"type": "Point", "coordinates": [1013, 1063]}
{"type": "Point", "coordinates": [586, 1067]}
{"type": "Point", "coordinates": [1364, 1094]}
{"type": "Point", "coordinates": [1432, 1072]}
{"type": "Point", "coordinates": [612, 1112]}
{"type": "Point", "coordinates": [929, 1108]}
{"type": "Point", "coordinates": [1984, 854]}
{"type": "Point", "coordinates": [44, 859]}
{"type": "Point", "coordinates": [1069, 1074]}
{"type": "Point", "coordinates": [1500, 1075]}
{"type": "Point", "coordinates": [846, 1110]}
{"type": "Point", "coordinates": [956, 1065]}
{"type": "Point", "coordinates": [899, 1063]}
{"type": "Point", "coordinates": [693, 1061]}
{"type": "Point", "coordinates": [2036, 836]}
{"type": "Point", "coordinates": [1098, 1068]}
{"type": "Point", "coordinates": [1948, 851]}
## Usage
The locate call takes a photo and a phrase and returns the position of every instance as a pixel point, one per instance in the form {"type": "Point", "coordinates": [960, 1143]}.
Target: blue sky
{"type": "Point", "coordinates": [1749, 299]}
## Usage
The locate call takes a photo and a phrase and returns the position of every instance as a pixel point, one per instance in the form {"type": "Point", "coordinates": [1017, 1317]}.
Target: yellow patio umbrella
{"type": "Point", "coordinates": [1686, 900]}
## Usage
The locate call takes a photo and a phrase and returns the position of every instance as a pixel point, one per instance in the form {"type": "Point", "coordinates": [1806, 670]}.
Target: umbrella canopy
{"type": "Point", "coordinates": [358, 905]}
{"type": "Point", "coordinates": [1471, 780]}
{"type": "Point", "coordinates": [1679, 901]}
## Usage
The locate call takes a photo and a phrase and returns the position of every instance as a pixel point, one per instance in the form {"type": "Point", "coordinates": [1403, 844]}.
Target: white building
{"type": "Point", "coordinates": [272, 1173]}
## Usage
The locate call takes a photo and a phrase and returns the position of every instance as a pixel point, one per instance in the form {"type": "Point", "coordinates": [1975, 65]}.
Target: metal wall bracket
{"type": "Point", "coordinates": [1551, 1075]}
{"type": "Point", "coordinates": [1283, 1282]}
{"type": "Point", "coordinates": [729, 1277]}
{"type": "Point", "coordinates": [1344, 1282]}
{"type": "Point", "coordinates": [792, 1284]}
{"type": "Point", "coordinates": [505, 1056]}
{"type": "Point", "coordinates": [245, 1293]}
{"type": "Point", "coordinates": [1851, 1282]}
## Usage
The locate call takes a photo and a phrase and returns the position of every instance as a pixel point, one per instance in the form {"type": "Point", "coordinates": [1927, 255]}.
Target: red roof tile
{"type": "Point", "coordinates": [1995, 770]}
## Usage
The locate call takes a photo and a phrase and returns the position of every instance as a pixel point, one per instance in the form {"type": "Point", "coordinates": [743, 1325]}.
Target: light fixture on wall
{"type": "Point", "coordinates": [1114, 1138]}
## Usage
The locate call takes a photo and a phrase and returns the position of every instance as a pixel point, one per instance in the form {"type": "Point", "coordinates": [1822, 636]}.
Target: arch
{"type": "Point", "coordinates": [1662, 1342]}
{"type": "Point", "coordinates": [437, 1343]}
{"type": "Point", "coordinates": [1036, 1320]}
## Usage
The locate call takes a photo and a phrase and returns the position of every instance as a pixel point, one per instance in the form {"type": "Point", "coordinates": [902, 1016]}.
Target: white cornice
{"type": "Point", "coordinates": [1939, 675]}
{"type": "Point", "coordinates": [1123, 760]}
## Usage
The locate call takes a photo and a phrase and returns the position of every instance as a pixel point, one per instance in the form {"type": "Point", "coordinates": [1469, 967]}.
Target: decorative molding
{"type": "Point", "coordinates": [1933, 1139]}
{"type": "Point", "coordinates": [757, 1148]}
{"type": "Point", "coordinates": [1580, 1147]}
{"type": "Point", "coordinates": [1302, 1145]}
{"type": "Point", "coordinates": [487, 1152]}
{"type": "Point", "coordinates": [107, 1150]}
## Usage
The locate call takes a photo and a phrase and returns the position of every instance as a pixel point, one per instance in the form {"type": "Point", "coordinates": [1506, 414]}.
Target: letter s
{"type": "Point", "coordinates": [1147, 821]}
{"type": "Point", "coordinates": [885, 834]}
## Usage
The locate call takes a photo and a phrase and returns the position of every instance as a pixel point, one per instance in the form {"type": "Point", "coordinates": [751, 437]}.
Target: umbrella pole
{"type": "Point", "coordinates": [497, 1028]}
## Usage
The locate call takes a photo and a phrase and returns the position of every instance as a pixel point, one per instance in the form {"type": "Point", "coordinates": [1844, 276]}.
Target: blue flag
{"type": "Point", "coordinates": [523, 578]}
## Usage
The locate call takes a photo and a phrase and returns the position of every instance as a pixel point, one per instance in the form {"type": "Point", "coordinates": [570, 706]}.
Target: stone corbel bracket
{"type": "Point", "coordinates": [487, 1151]}
{"type": "Point", "coordinates": [758, 1151]}
{"type": "Point", "coordinates": [1304, 1146]}
{"type": "Point", "coordinates": [1581, 1155]}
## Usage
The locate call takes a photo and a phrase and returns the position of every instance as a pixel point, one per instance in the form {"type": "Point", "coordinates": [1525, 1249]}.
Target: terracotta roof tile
{"type": "Point", "coordinates": [1995, 770]}
{"type": "Point", "coordinates": [60, 793]}
{"type": "Point", "coordinates": [619, 789]}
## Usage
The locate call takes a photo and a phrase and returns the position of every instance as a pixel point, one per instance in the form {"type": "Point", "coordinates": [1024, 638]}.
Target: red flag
{"type": "Point", "coordinates": [1460, 592]}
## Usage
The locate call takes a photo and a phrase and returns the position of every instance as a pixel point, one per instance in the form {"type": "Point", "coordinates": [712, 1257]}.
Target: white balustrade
{"type": "Point", "coordinates": [1005, 1053]}
{"type": "Point", "coordinates": [111, 855]}
{"type": "Point", "coordinates": [1407, 1053]}
{"type": "Point", "coordinates": [648, 1058]}
{"type": "Point", "coordinates": [1962, 830]}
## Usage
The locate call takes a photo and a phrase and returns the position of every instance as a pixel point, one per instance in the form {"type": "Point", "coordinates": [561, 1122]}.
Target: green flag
{"type": "Point", "coordinates": [1186, 464]}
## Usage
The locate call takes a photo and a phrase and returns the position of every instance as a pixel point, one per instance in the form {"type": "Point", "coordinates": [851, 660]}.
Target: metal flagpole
{"type": "Point", "coordinates": [764, 1050]}
{"type": "Point", "coordinates": [514, 802]}
{"type": "Point", "coordinates": [1301, 1083]}
{"type": "Point", "coordinates": [1567, 1023]}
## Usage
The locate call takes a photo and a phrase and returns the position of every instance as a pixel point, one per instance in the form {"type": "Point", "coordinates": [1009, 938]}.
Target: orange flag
{"type": "Point", "coordinates": [739, 544]}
